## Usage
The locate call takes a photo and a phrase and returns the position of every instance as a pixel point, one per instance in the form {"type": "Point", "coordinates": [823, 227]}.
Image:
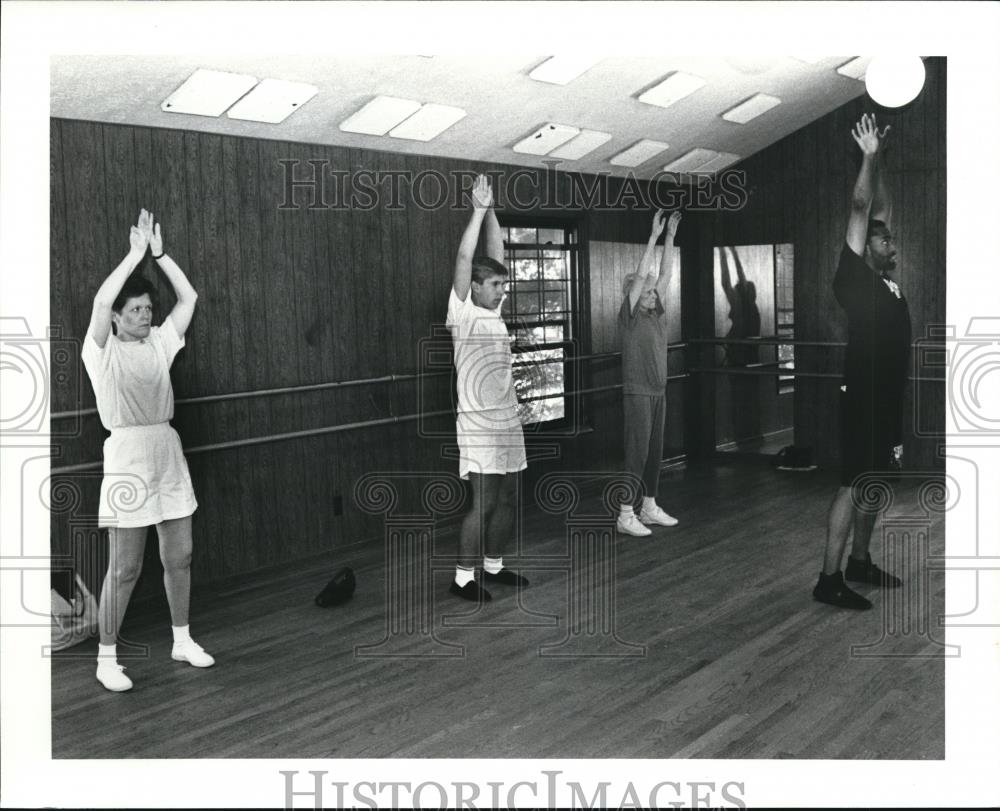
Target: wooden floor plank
{"type": "Point", "coordinates": [739, 661]}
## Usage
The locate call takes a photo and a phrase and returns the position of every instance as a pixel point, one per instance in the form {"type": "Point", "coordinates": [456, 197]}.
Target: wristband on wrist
{"type": "Point", "coordinates": [158, 257]}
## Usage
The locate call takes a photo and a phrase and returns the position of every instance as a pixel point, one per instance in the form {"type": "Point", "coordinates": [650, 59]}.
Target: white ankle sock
{"type": "Point", "coordinates": [648, 503]}
{"type": "Point", "coordinates": [107, 653]}
{"type": "Point", "coordinates": [464, 575]}
{"type": "Point", "coordinates": [626, 510]}
{"type": "Point", "coordinates": [492, 565]}
{"type": "Point", "coordinates": [182, 633]}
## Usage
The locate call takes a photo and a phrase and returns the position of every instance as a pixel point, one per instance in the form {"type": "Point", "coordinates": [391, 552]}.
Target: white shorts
{"type": "Point", "coordinates": [146, 478]}
{"type": "Point", "coordinates": [489, 446]}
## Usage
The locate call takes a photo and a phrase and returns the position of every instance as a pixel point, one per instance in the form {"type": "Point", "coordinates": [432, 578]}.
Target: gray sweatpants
{"type": "Point", "coordinates": [645, 416]}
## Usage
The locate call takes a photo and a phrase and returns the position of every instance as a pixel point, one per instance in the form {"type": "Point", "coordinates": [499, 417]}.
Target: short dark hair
{"type": "Point", "coordinates": [135, 286]}
{"type": "Point", "coordinates": [483, 267]}
{"type": "Point", "coordinates": [874, 227]}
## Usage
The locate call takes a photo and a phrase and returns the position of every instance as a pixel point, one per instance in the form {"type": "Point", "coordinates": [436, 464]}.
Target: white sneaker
{"type": "Point", "coordinates": [629, 525]}
{"type": "Point", "coordinates": [657, 517]}
{"type": "Point", "coordinates": [191, 652]}
{"type": "Point", "coordinates": [111, 676]}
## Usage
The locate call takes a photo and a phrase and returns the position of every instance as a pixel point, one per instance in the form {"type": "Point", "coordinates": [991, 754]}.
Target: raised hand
{"type": "Point", "coordinates": [672, 223]}
{"type": "Point", "coordinates": [137, 240]}
{"type": "Point", "coordinates": [659, 218]}
{"type": "Point", "coordinates": [482, 193]}
{"type": "Point", "coordinates": [138, 236]}
{"type": "Point", "coordinates": [145, 223]}
{"type": "Point", "coordinates": [866, 135]}
{"type": "Point", "coordinates": [156, 240]}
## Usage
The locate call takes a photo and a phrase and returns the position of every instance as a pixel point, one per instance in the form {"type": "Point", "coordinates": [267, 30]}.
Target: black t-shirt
{"type": "Point", "coordinates": [878, 337]}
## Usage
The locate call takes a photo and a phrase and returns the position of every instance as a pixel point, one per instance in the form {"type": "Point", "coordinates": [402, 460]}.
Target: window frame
{"type": "Point", "coordinates": [571, 318]}
{"type": "Point", "coordinates": [784, 384]}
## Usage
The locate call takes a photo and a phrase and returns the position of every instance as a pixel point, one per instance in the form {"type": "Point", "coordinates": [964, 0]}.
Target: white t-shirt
{"type": "Point", "coordinates": [131, 379]}
{"type": "Point", "coordinates": [482, 359]}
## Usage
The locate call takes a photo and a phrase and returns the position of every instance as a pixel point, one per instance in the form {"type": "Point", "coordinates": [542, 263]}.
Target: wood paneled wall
{"type": "Point", "coordinates": [800, 191]}
{"type": "Point", "coordinates": [309, 294]}
{"type": "Point", "coordinates": [292, 296]}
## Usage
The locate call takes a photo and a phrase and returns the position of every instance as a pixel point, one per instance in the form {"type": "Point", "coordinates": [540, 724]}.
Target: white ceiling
{"type": "Point", "coordinates": [503, 104]}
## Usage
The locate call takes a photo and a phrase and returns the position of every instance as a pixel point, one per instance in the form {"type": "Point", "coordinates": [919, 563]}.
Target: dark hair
{"type": "Point", "coordinates": [483, 267]}
{"type": "Point", "coordinates": [875, 226]}
{"type": "Point", "coordinates": [135, 286]}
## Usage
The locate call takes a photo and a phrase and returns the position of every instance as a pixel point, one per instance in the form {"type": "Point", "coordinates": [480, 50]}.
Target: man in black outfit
{"type": "Point", "coordinates": [871, 397]}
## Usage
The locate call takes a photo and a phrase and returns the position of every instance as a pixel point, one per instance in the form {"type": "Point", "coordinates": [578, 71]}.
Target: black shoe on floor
{"type": "Point", "coordinates": [864, 571]}
{"type": "Point", "coordinates": [470, 591]}
{"type": "Point", "coordinates": [505, 577]}
{"type": "Point", "coordinates": [832, 590]}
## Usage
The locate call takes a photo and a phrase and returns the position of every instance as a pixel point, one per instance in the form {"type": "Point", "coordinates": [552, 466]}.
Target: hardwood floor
{"type": "Point", "coordinates": [720, 650]}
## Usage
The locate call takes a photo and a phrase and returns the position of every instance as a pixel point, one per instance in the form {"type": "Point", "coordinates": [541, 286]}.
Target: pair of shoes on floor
{"type": "Point", "coordinates": [112, 675]}
{"type": "Point", "coordinates": [833, 590]}
{"type": "Point", "coordinates": [864, 571]}
{"type": "Point", "coordinates": [638, 525]}
{"type": "Point", "coordinates": [474, 592]}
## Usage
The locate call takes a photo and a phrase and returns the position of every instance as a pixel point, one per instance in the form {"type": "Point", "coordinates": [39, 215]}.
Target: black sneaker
{"type": "Point", "coordinates": [470, 591]}
{"type": "Point", "coordinates": [505, 577]}
{"type": "Point", "coordinates": [831, 590]}
{"type": "Point", "coordinates": [864, 571]}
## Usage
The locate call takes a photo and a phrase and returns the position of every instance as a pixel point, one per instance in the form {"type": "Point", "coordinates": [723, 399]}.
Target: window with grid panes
{"type": "Point", "coordinates": [784, 312]}
{"type": "Point", "coordinates": [539, 309]}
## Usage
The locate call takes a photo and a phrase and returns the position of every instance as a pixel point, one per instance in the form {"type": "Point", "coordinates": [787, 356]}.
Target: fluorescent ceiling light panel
{"type": "Point", "coordinates": [380, 115]}
{"type": "Point", "coordinates": [562, 69]}
{"type": "Point", "coordinates": [691, 161]}
{"type": "Point", "coordinates": [672, 89]}
{"type": "Point", "coordinates": [272, 101]}
{"type": "Point", "coordinates": [638, 153]}
{"type": "Point", "coordinates": [584, 143]}
{"type": "Point", "coordinates": [856, 68]}
{"type": "Point", "coordinates": [720, 161]}
{"type": "Point", "coordinates": [543, 141]}
{"type": "Point", "coordinates": [428, 122]}
{"type": "Point", "coordinates": [208, 92]}
{"type": "Point", "coordinates": [751, 108]}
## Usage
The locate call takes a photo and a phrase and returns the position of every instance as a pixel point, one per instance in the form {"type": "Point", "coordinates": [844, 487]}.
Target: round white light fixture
{"type": "Point", "coordinates": [893, 81]}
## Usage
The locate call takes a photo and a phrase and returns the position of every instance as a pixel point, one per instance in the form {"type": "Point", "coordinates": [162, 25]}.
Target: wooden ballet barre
{"type": "Point", "coordinates": [777, 339]}
{"type": "Point", "coordinates": [758, 370]}
{"type": "Point", "coordinates": [348, 426]}
{"type": "Point", "coordinates": [311, 387]}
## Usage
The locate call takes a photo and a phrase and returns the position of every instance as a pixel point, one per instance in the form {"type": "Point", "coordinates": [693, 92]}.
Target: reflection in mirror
{"type": "Point", "coordinates": [754, 402]}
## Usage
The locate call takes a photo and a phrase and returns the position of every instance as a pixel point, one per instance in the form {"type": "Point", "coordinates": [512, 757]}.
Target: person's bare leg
{"type": "Point", "coordinates": [838, 526]}
{"type": "Point", "coordinates": [126, 548]}
{"type": "Point", "coordinates": [860, 568]}
{"type": "Point", "coordinates": [500, 527]}
{"type": "Point", "coordinates": [831, 588]}
{"type": "Point", "coordinates": [498, 534]}
{"type": "Point", "coordinates": [864, 523]}
{"type": "Point", "coordinates": [125, 552]}
{"type": "Point", "coordinates": [175, 553]}
{"type": "Point", "coordinates": [485, 489]}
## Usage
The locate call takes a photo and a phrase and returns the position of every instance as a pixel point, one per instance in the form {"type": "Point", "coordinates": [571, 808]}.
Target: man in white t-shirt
{"type": "Point", "coordinates": [490, 440]}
